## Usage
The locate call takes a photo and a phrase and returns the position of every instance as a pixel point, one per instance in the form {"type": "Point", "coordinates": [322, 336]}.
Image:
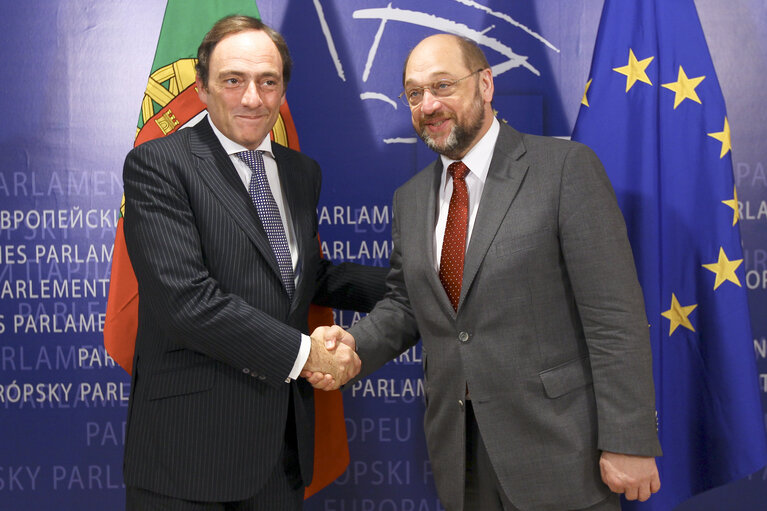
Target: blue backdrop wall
{"type": "Point", "coordinates": [74, 74]}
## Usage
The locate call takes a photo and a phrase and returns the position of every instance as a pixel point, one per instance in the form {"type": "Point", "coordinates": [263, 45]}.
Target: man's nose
{"type": "Point", "coordinates": [430, 102]}
{"type": "Point", "coordinates": [251, 96]}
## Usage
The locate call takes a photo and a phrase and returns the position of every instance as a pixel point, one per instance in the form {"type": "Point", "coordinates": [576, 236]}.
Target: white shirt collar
{"type": "Point", "coordinates": [231, 147]}
{"type": "Point", "coordinates": [478, 158]}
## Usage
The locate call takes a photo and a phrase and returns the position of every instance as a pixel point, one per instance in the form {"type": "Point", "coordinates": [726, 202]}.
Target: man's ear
{"type": "Point", "coordinates": [202, 92]}
{"type": "Point", "coordinates": [486, 86]}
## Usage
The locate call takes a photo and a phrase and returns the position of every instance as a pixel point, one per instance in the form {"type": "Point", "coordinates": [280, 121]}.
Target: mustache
{"type": "Point", "coordinates": [435, 117]}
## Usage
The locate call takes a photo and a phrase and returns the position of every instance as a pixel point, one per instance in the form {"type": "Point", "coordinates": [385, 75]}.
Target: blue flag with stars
{"type": "Point", "coordinates": [654, 113]}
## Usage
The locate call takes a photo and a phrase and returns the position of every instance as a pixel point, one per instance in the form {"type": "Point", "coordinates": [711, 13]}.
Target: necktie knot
{"type": "Point", "coordinates": [458, 170]}
{"type": "Point", "coordinates": [252, 159]}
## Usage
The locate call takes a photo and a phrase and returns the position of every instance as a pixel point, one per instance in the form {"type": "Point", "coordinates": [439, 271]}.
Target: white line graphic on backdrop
{"type": "Point", "coordinates": [508, 19]}
{"type": "Point", "coordinates": [374, 49]}
{"type": "Point", "coordinates": [438, 23]}
{"type": "Point", "coordinates": [380, 97]}
{"type": "Point", "coordinates": [400, 140]}
{"type": "Point", "coordinates": [445, 25]}
{"type": "Point", "coordinates": [329, 40]}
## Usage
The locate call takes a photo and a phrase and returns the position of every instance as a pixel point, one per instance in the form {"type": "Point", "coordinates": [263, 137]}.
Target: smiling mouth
{"type": "Point", "coordinates": [435, 124]}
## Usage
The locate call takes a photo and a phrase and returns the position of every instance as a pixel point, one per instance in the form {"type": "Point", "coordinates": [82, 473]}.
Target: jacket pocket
{"type": "Point", "coordinates": [564, 378]}
{"type": "Point", "coordinates": [181, 381]}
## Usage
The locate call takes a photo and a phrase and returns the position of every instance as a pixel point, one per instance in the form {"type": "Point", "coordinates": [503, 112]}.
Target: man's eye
{"type": "Point", "coordinates": [231, 82]}
{"type": "Point", "coordinates": [414, 94]}
{"type": "Point", "coordinates": [269, 84]}
{"type": "Point", "coordinates": [443, 86]}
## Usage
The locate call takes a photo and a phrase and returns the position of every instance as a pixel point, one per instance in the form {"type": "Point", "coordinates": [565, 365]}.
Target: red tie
{"type": "Point", "coordinates": [454, 244]}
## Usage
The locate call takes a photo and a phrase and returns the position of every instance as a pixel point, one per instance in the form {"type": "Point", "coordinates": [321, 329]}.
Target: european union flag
{"type": "Point", "coordinates": [654, 113]}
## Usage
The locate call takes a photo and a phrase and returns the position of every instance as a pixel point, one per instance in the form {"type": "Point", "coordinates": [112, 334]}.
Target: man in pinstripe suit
{"type": "Point", "coordinates": [218, 418]}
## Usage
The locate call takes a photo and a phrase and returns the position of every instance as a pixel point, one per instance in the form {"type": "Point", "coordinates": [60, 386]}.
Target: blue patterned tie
{"type": "Point", "coordinates": [262, 198]}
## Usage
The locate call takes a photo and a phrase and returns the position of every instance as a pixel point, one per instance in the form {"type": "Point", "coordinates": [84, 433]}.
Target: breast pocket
{"type": "Point", "coordinates": [508, 246]}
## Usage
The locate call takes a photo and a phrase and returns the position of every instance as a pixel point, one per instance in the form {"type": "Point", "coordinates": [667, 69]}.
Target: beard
{"type": "Point", "coordinates": [463, 134]}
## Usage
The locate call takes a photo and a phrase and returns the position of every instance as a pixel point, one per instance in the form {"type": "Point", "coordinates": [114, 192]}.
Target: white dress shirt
{"type": "Point", "coordinates": [478, 161]}
{"type": "Point", "coordinates": [232, 148]}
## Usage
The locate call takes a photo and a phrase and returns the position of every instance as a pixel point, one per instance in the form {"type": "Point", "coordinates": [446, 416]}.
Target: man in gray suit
{"type": "Point", "coordinates": [221, 229]}
{"type": "Point", "coordinates": [511, 262]}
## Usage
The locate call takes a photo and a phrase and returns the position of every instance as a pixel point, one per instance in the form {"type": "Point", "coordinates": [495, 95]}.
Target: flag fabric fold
{"type": "Point", "coordinates": [170, 102]}
{"type": "Point", "coordinates": [655, 115]}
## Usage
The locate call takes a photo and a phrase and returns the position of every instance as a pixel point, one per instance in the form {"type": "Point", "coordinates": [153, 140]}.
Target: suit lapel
{"type": "Point", "coordinates": [218, 173]}
{"type": "Point", "coordinates": [297, 202]}
{"type": "Point", "coordinates": [426, 213]}
{"type": "Point", "coordinates": [503, 180]}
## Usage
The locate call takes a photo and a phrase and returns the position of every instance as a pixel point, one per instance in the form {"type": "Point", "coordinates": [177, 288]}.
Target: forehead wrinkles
{"type": "Point", "coordinates": [432, 64]}
{"type": "Point", "coordinates": [427, 77]}
{"type": "Point", "coordinates": [243, 66]}
{"type": "Point", "coordinates": [246, 51]}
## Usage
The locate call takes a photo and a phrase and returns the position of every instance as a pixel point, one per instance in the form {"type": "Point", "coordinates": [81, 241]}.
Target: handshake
{"type": "Point", "coordinates": [333, 360]}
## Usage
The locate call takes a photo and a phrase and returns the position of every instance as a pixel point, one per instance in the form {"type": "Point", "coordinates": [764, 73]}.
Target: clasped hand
{"type": "Point", "coordinates": [332, 360]}
{"type": "Point", "coordinates": [634, 476]}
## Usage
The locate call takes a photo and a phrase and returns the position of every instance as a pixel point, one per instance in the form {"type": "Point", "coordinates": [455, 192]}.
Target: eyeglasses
{"type": "Point", "coordinates": [413, 96]}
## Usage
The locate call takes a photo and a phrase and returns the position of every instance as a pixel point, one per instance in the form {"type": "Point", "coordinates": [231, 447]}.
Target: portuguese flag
{"type": "Point", "coordinates": [170, 102]}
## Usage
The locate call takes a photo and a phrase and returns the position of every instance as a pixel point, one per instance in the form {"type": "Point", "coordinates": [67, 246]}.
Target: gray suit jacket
{"type": "Point", "coordinates": [550, 334]}
{"type": "Point", "coordinates": [217, 332]}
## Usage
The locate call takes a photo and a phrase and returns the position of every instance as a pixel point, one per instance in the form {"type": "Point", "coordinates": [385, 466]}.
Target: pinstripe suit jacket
{"type": "Point", "coordinates": [550, 334]}
{"type": "Point", "coordinates": [217, 333]}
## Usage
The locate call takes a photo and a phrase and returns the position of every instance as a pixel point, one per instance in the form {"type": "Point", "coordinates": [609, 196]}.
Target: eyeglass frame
{"type": "Point", "coordinates": [433, 89]}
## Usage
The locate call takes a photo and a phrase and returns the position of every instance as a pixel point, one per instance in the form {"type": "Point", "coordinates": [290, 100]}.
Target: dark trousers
{"type": "Point", "coordinates": [483, 490]}
{"type": "Point", "coordinates": [284, 490]}
{"type": "Point", "coordinates": [278, 493]}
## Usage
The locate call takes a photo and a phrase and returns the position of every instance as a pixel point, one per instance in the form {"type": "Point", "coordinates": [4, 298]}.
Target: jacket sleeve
{"type": "Point", "coordinates": [609, 299]}
{"type": "Point", "coordinates": [391, 327]}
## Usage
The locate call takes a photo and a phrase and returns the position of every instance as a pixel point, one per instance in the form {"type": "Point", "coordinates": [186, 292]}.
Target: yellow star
{"type": "Point", "coordinates": [678, 315]}
{"type": "Point", "coordinates": [733, 203]}
{"type": "Point", "coordinates": [634, 70]}
{"type": "Point", "coordinates": [724, 269]}
{"type": "Point", "coordinates": [724, 137]}
{"type": "Point", "coordinates": [684, 87]}
{"type": "Point", "coordinates": [585, 100]}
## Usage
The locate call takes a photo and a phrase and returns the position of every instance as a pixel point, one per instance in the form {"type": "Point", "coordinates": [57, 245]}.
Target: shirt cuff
{"type": "Point", "coordinates": [303, 356]}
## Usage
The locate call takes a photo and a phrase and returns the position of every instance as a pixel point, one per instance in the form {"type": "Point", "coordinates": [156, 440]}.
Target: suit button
{"type": "Point", "coordinates": [261, 377]}
{"type": "Point", "coordinates": [246, 370]}
{"type": "Point", "coordinates": [463, 337]}
{"type": "Point", "coordinates": [460, 403]}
